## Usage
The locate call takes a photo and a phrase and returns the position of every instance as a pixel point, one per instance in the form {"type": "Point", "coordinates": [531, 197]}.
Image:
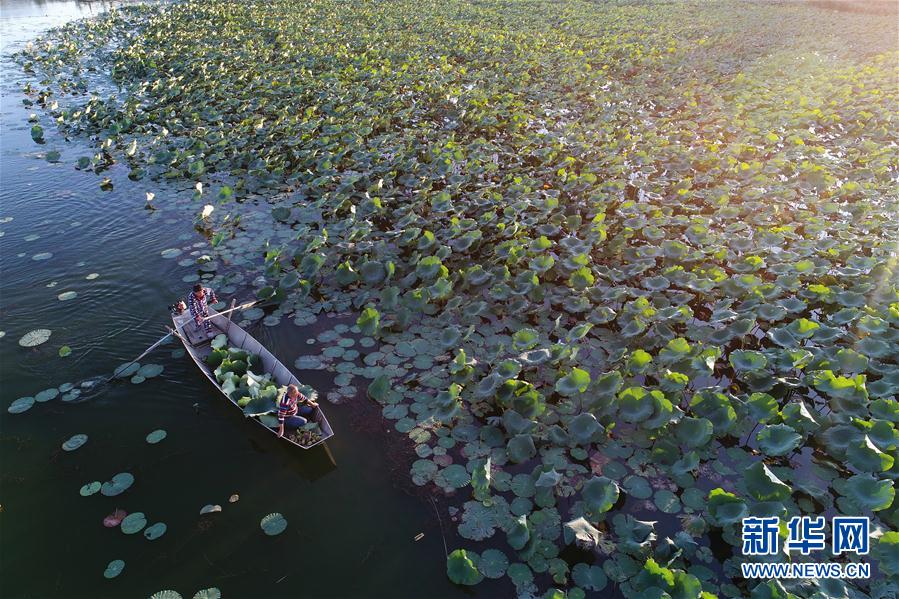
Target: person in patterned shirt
{"type": "Point", "coordinates": [198, 302]}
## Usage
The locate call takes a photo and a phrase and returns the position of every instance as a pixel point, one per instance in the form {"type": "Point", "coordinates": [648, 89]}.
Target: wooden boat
{"type": "Point", "coordinates": [198, 346]}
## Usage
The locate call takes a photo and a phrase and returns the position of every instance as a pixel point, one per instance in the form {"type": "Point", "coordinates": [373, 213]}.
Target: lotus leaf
{"type": "Point", "coordinates": [462, 569]}
{"type": "Point", "coordinates": [763, 485]}
{"type": "Point", "coordinates": [521, 448]}
{"type": "Point", "coordinates": [74, 442]}
{"type": "Point", "coordinates": [600, 494]}
{"type": "Point", "coordinates": [118, 485]}
{"type": "Point", "coordinates": [273, 524]}
{"type": "Point", "coordinates": [778, 439]}
{"type": "Point", "coordinates": [133, 523]}
{"type": "Point", "coordinates": [114, 568]}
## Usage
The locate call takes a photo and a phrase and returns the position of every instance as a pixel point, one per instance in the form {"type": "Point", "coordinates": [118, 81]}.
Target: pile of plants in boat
{"type": "Point", "coordinates": [624, 273]}
{"type": "Point", "coordinates": [257, 394]}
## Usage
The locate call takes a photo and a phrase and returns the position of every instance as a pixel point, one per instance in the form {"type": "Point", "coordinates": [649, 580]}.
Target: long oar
{"type": "Point", "coordinates": [240, 307]}
{"type": "Point", "coordinates": [146, 351]}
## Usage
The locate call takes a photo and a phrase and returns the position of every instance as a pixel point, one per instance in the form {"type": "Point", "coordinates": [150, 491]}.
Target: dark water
{"type": "Point", "coordinates": [351, 524]}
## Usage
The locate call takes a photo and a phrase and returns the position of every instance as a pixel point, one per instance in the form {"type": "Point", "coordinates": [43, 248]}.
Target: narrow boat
{"type": "Point", "coordinates": [199, 347]}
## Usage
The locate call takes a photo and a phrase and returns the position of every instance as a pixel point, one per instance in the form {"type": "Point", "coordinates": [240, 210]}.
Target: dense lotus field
{"type": "Point", "coordinates": [624, 272]}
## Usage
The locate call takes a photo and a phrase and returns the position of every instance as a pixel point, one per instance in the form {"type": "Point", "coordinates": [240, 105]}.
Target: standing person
{"type": "Point", "coordinates": [294, 409]}
{"type": "Point", "coordinates": [198, 301]}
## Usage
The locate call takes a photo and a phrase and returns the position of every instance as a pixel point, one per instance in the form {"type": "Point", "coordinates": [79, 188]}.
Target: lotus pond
{"type": "Point", "coordinates": [591, 281]}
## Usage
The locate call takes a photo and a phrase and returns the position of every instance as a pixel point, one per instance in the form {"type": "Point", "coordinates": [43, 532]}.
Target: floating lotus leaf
{"type": "Point", "coordinates": [150, 370]}
{"type": "Point", "coordinates": [90, 489]}
{"type": "Point", "coordinates": [576, 381]}
{"type": "Point", "coordinates": [866, 492]}
{"type": "Point", "coordinates": [210, 509]}
{"type": "Point", "coordinates": [166, 595]}
{"type": "Point", "coordinates": [210, 593]}
{"type": "Point", "coordinates": [114, 568]}
{"type": "Point", "coordinates": [762, 407]}
{"type": "Point", "coordinates": [126, 370]}
{"type": "Point", "coordinates": [493, 563]}
{"type": "Point", "coordinates": [584, 428]}
{"type": "Point", "coordinates": [886, 552]}
{"type": "Point", "coordinates": [524, 339]}
{"type": "Point", "coordinates": [600, 494]}
{"type": "Point", "coordinates": [46, 395]}
{"type": "Point", "coordinates": [156, 436]}
{"type": "Point", "coordinates": [35, 338]}
{"type": "Point", "coordinates": [118, 485]}
{"type": "Point", "coordinates": [592, 578]}
{"type": "Point", "coordinates": [748, 360]}
{"type": "Point", "coordinates": [478, 521]}
{"type": "Point", "coordinates": [778, 439]}
{"type": "Point", "coordinates": [273, 524]}
{"type": "Point", "coordinates": [519, 533]}
{"type": "Point", "coordinates": [461, 568]}
{"type": "Point", "coordinates": [694, 432]}
{"type": "Point", "coordinates": [763, 485]}
{"type": "Point", "coordinates": [20, 405]}
{"type": "Point", "coordinates": [521, 448]}
{"type": "Point", "coordinates": [74, 442]}
{"type": "Point", "coordinates": [152, 533]}
{"type": "Point", "coordinates": [133, 523]}
{"type": "Point", "coordinates": [455, 476]}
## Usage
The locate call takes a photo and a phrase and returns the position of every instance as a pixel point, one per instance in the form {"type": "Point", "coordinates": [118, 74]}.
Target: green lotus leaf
{"type": "Point", "coordinates": [74, 442]}
{"type": "Point", "coordinates": [478, 521]}
{"type": "Point", "coordinates": [576, 381]}
{"type": "Point", "coordinates": [886, 552]}
{"type": "Point", "coordinates": [493, 563]}
{"type": "Point", "coordinates": [763, 485]}
{"type": "Point", "coordinates": [519, 533]}
{"type": "Point", "coordinates": [762, 407]}
{"type": "Point", "coordinates": [156, 436]}
{"type": "Point", "coordinates": [796, 415]}
{"type": "Point", "coordinates": [866, 457]}
{"type": "Point", "coordinates": [480, 480]}
{"type": "Point", "coordinates": [716, 407]}
{"type": "Point", "coordinates": [584, 428]}
{"type": "Point", "coordinates": [867, 492]}
{"type": "Point", "coordinates": [151, 533]}
{"type": "Point", "coordinates": [210, 593]}
{"type": "Point", "coordinates": [726, 508]}
{"type": "Point", "coordinates": [455, 476]}
{"type": "Point", "coordinates": [114, 568]}
{"type": "Point", "coordinates": [521, 448]}
{"type": "Point", "coordinates": [379, 388]}
{"type": "Point", "coordinates": [461, 569]}
{"type": "Point", "coordinates": [120, 483]}
{"type": "Point", "coordinates": [273, 524]}
{"type": "Point", "coordinates": [369, 321]}
{"type": "Point", "coordinates": [639, 360]}
{"type": "Point", "coordinates": [748, 360]}
{"type": "Point", "coordinates": [694, 432]}
{"type": "Point", "coordinates": [133, 523]}
{"type": "Point", "coordinates": [524, 339]}
{"type": "Point", "coordinates": [600, 494]}
{"type": "Point", "coordinates": [592, 578]}
{"type": "Point", "coordinates": [802, 328]}
{"type": "Point", "coordinates": [20, 405]}
{"type": "Point", "coordinates": [778, 439]}
{"type": "Point", "coordinates": [90, 488]}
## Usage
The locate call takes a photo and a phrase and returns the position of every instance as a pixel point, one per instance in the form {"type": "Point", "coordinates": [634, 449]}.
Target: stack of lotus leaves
{"type": "Point", "coordinates": [256, 394]}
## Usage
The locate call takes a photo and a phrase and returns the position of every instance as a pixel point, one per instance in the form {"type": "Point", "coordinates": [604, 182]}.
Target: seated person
{"type": "Point", "coordinates": [293, 409]}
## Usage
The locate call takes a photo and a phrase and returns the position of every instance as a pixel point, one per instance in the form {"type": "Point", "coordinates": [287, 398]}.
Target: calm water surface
{"type": "Point", "coordinates": [352, 522]}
